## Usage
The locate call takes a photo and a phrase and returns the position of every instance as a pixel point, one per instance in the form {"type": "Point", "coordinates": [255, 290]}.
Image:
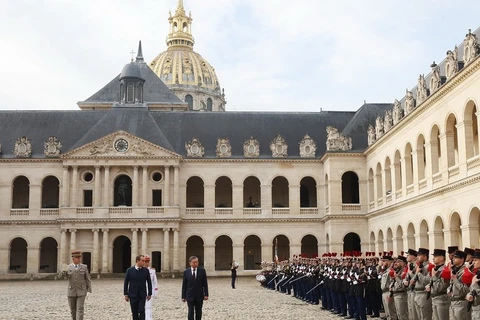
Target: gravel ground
{"type": "Point", "coordinates": [47, 300]}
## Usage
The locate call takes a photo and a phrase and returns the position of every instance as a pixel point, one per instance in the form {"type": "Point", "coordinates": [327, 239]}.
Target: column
{"type": "Point", "coordinates": [209, 199]}
{"type": "Point", "coordinates": [74, 202]}
{"type": "Point", "coordinates": [266, 194]}
{"type": "Point", "coordinates": [106, 187]}
{"type": "Point", "coordinates": [144, 241]}
{"type": "Point", "coordinates": [237, 196]}
{"type": "Point", "coordinates": [415, 169]}
{"type": "Point", "coordinates": [403, 165]}
{"type": "Point", "coordinates": [98, 187]}
{"type": "Point", "coordinates": [465, 141]}
{"type": "Point", "coordinates": [375, 189]}
{"type": "Point", "coordinates": [209, 259]}
{"type": "Point", "coordinates": [238, 255]}
{"type": "Point", "coordinates": [428, 163]}
{"type": "Point", "coordinates": [65, 187]}
{"type": "Point", "coordinates": [478, 126]}
{"type": "Point", "coordinates": [444, 158]}
{"type": "Point", "coordinates": [393, 180]}
{"type": "Point", "coordinates": [175, 250]}
{"type": "Point", "coordinates": [95, 257]}
{"type": "Point", "coordinates": [105, 251]}
{"type": "Point", "coordinates": [470, 235]}
{"type": "Point", "coordinates": [73, 239]}
{"type": "Point", "coordinates": [63, 246]}
{"type": "Point", "coordinates": [294, 198]}
{"type": "Point", "coordinates": [135, 187]}
{"type": "Point", "coordinates": [176, 186]}
{"type": "Point", "coordinates": [166, 250]}
{"type": "Point", "coordinates": [267, 252]}
{"type": "Point", "coordinates": [35, 197]}
{"type": "Point", "coordinates": [33, 259]}
{"type": "Point", "coordinates": [166, 191]}
{"type": "Point", "coordinates": [145, 186]}
{"type": "Point", "coordinates": [134, 245]}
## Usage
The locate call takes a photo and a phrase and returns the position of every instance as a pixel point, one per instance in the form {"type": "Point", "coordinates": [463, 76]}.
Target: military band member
{"type": "Point", "coordinates": [459, 287]}
{"type": "Point", "coordinates": [474, 296]}
{"type": "Point", "coordinates": [153, 278]}
{"type": "Point", "coordinates": [423, 305]}
{"type": "Point", "coordinates": [398, 289]}
{"type": "Point", "coordinates": [78, 284]}
{"type": "Point", "coordinates": [411, 266]}
{"type": "Point", "coordinates": [386, 282]}
{"type": "Point", "coordinates": [440, 280]}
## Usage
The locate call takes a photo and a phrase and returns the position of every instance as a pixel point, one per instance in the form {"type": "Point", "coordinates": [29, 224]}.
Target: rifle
{"type": "Point", "coordinates": [299, 278]}
{"type": "Point", "coordinates": [272, 279]}
{"type": "Point", "coordinates": [312, 289]}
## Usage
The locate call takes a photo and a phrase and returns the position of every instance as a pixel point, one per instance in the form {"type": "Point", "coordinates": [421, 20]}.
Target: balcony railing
{"type": "Point", "coordinates": [155, 210]}
{"type": "Point", "coordinates": [49, 212]}
{"type": "Point", "coordinates": [372, 205]}
{"type": "Point", "coordinates": [388, 198]}
{"type": "Point", "coordinates": [327, 209]}
{"type": "Point", "coordinates": [410, 188]}
{"type": "Point", "coordinates": [398, 194]}
{"type": "Point", "coordinates": [453, 171]}
{"type": "Point", "coordinates": [19, 212]}
{"type": "Point", "coordinates": [308, 210]}
{"type": "Point", "coordinates": [195, 211]}
{"type": "Point", "coordinates": [252, 211]}
{"type": "Point", "coordinates": [437, 177]}
{"type": "Point", "coordinates": [473, 162]}
{"type": "Point", "coordinates": [349, 207]}
{"type": "Point", "coordinates": [223, 211]}
{"type": "Point", "coordinates": [120, 210]}
{"type": "Point", "coordinates": [422, 184]}
{"type": "Point", "coordinates": [380, 201]}
{"type": "Point", "coordinates": [85, 210]}
{"type": "Point", "coordinates": [280, 210]}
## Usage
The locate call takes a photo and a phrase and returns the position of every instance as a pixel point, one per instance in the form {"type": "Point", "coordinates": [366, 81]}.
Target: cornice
{"type": "Point", "coordinates": [341, 154]}
{"type": "Point", "coordinates": [55, 160]}
{"type": "Point", "coordinates": [300, 160]}
{"type": "Point", "coordinates": [343, 217]}
{"type": "Point", "coordinates": [434, 193]}
{"type": "Point", "coordinates": [266, 220]}
{"type": "Point", "coordinates": [445, 89]}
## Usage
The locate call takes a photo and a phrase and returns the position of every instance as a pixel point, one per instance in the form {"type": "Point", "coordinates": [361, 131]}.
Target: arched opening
{"type": "Point", "coordinates": [399, 238]}
{"type": "Point", "coordinates": [438, 233]}
{"type": "Point", "coordinates": [411, 236]}
{"type": "Point", "coordinates": [21, 192]}
{"type": "Point", "coordinates": [209, 104]}
{"type": "Point", "coordinates": [351, 242]}
{"type": "Point", "coordinates": [185, 27]}
{"type": "Point", "coordinates": [252, 251]}
{"type": "Point", "coordinates": [156, 261]}
{"type": "Point", "coordinates": [252, 195]}
{"type": "Point", "coordinates": [48, 255]}
{"type": "Point", "coordinates": [194, 248]}
{"type": "Point", "coordinates": [435, 149]}
{"type": "Point", "coordinates": [223, 192]}
{"type": "Point", "coordinates": [280, 195]}
{"type": "Point", "coordinates": [309, 246]}
{"type": "Point", "coordinates": [350, 188]}
{"type": "Point", "coordinates": [388, 176]}
{"type": "Point", "coordinates": [223, 253]}
{"type": "Point", "coordinates": [281, 247]}
{"type": "Point", "coordinates": [175, 27]}
{"type": "Point", "coordinates": [130, 92]}
{"type": "Point", "coordinates": [409, 164]}
{"type": "Point", "coordinates": [139, 93]}
{"type": "Point", "coordinates": [50, 192]}
{"type": "Point", "coordinates": [122, 191]}
{"type": "Point", "coordinates": [389, 239]}
{"type": "Point", "coordinates": [195, 193]}
{"type": "Point", "coordinates": [471, 130]}
{"type": "Point", "coordinates": [122, 254]}
{"type": "Point", "coordinates": [327, 192]}
{"type": "Point", "coordinates": [371, 185]}
{"type": "Point", "coordinates": [372, 241]}
{"type": "Point", "coordinates": [473, 223]}
{"type": "Point", "coordinates": [421, 158]}
{"type": "Point", "coordinates": [424, 234]}
{"type": "Point", "coordinates": [398, 171]}
{"type": "Point", "coordinates": [455, 230]}
{"type": "Point", "coordinates": [381, 246]}
{"type": "Point", "coordinates": [452, 141]}
{"type": "Point", "coordinates": [308, 193]}
{"type": "Point", "coordinates": [378, 177]}
{"type": "Point", "coordinates": [18, 256]}
{"type": "Point", "coordinates": [189, 101]}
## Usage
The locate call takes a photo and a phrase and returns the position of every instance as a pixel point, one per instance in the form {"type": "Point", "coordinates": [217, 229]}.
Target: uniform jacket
{"type": "Point", "coordinates": [440, 285]}
{"type": "Point", "coordinates": [153, 278]}
{"type": "Point", "coordinates": [78, 280]}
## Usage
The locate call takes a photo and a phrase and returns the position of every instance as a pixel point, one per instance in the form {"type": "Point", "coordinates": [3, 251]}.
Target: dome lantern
{"type": "Point", "coordinates": [180, 34]}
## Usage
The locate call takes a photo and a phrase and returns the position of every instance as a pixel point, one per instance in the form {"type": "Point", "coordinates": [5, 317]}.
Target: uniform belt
{"type": "Point", "coordinates": [420, 290]}
{"type": "Point", "coordinates": [457, 299]}
{"type": "Point", "coordinates": [439, 294]}
{"type": "Point", "coordinates": [398, 292]}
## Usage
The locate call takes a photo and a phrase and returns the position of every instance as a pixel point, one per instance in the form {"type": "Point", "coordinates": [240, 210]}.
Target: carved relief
{"type": "Point", "coordinates": [167, 66]}
{"type": "Point", "coordinates": [336, 141]}
{"type": "Point", "coordinates": [371, 135]}
{"type": "Point", "coordinates": [307, 147]}
{"type": "Point", "coordinates": [52, 147]}
{"type": "Point", "coordinates": [470, 48]}
{"type": "Point", "coordinates": [435, 80]}
{"type": "Point", "coordinates": [397, 112]}
{"type": "Point", "coordinates": [422, 91]}
{"type": "Point", "coordinates": [141, 148]}
{"type": "Point", "coordinates": [187, 65]}
{"type": "Point", "coordinates": [23, 147]}
{"type": "Point", "coordinates": [224, 149]}
{"type": "Point", "coordinates": [388, 122]}
{"type": "Point", "coordinates": [409, 102]}
{"type": "Point", "coordinates": [102, 147]}
{"type": "Point", "coordinates": [251, 148]}
{"type": "Point", "coordinates": [379, 127]}
{"type": "Point", "coordinates": [451, 64]}
{"type": "Point", "coordinates": [194, 149]}
{"type": "Point", "coordinates": [279, 147]}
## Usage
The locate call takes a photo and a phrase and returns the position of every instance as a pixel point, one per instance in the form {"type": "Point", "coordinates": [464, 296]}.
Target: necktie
{"type": "Point", "coordinates": [76, 266]}
{"type": "Point", "coordinates": [193, 274]}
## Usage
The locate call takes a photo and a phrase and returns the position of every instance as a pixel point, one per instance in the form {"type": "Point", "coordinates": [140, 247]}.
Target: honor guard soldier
{"type": "Point", "coordinates": [153, 278]}
{"type": "Point", "coordinates": [398, 288]}
{"type": "Point", "coordinates": [411, 266]}
{"type": "Point", "coordinates": [386, 282]}
{"type": "Point", "coordinates": [439, 282]}
{"type": "Point", "coordinates": [461, 278]}
{"type": "Point", "coordinates": [451, 251]}
{"type": "Point", "coordinates": [78, 284]}
{"type": "Point", "coordinates": [421, 280]}
{"type": "Point", "coordinates": [473, 297]}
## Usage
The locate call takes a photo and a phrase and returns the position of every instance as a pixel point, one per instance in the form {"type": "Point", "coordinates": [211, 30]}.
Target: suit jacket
{"type": "Point", "coordinates": [134, 284]}
{"type": "Point", "coordinates": [78, 280]}
{"type": "Point", "coordinates": [194, 289]}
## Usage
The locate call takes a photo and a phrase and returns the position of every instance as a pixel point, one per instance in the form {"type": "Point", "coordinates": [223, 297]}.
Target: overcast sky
{"type": "Point", "coordinates": [269, 55]}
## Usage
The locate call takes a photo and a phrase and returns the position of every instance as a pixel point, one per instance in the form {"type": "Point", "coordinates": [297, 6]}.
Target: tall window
{"type": "Point", "coordinates": [130, 92]}
{"type": "Point", "coordinates": [189, 100]}
{"type": "Point", "coordinates": [209, 104]}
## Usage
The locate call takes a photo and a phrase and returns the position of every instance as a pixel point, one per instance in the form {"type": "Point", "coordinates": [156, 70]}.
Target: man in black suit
{"type": "Point", "coordinates": [137, 279]}
{"type": "Point", "coordinates": [194, 288]}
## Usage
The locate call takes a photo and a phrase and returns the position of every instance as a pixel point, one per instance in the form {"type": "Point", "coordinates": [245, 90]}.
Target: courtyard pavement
{"type": "Point", "coordinates": [46, 299]}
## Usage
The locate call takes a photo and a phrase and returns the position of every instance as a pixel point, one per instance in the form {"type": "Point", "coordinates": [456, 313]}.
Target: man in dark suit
{"type": "Point", "coordinates": [194, 288]}
{"type": "Point", "coordinates": [137, 279]}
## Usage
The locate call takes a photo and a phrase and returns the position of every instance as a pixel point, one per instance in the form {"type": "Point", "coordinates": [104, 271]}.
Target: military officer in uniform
{"type": "Point", "coordinates": [78, 284]}
{"type": "Point", "coordinates": [459, 288]}
{"type": "Point", "coordinates": [153, 278]}
{"type": "Point", "coordinates": [440, 280]}
{"type": "Point", "coordinates": [421, 280]}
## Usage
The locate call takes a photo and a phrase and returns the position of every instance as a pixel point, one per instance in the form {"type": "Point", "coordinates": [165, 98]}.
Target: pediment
{"type": "Point", "coordinates": [120, 144]}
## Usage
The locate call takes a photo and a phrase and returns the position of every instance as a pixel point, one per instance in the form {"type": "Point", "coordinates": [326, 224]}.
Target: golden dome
{"type": "Point", "coordinates": [184, 71]}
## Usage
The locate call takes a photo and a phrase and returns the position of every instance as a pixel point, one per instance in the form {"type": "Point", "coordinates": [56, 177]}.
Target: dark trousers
{"type": "Point", "coordinates": [233, 281]}
{"type": "Point", "coordinates": [137, 305]}
{"type": "Point", "coordinates": [195, 306]}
